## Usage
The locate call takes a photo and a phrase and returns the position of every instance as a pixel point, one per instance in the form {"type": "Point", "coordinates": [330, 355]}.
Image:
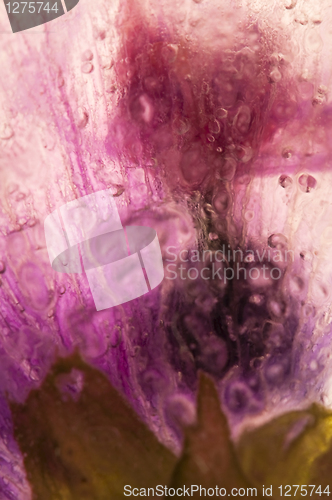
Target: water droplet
{"type": "Point", "coordinates": [87, 55]}
{"type": "Point", "coordinates": [87, 68]}
{"type": "Point", "coordinates": [219, 150]}
{"type": "Point", "coordinates": [307, 183]}
{"type": "Point", "coordinates": [285, 181]}
{"type": "Point", "coordinates": [210, 138]}
{"type": "Point", "coordinates": [2, 267]}
{"type": "Point", "coordinates": [6, 132]}
{"type": "Point", "coordinates": [62, 290]}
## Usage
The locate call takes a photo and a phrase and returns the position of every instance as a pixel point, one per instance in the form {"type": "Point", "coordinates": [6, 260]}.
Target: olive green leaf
{"type": "Point", "coordinates": [208, 458]}
{"type": "Point", "coordinates": [290, 450]}
{"type": "Point", "coordinates": [81, 441]}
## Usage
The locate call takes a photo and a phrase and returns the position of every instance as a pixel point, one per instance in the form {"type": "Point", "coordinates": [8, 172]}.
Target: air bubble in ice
{"type": "Point", "coordinates": [181, 126]}
{"type": "Point", "coordinates": [87, 55]}
{"type": "Point", "coordinates": [285, 181]}
{"type": "Point", "coordinates": [244, 153]}
{"type": "Point", "coordinates": [242, 120]}
{"type": "Point", "coordinates": [170, 52]}
{"type": "Point", "coordinates": [237, 396]}
{"type": "Point", "coordinates": [6, 132]}
{"type": "Point", "coordinates": [193, 165]}
{"type": "Point", "coordinates": [82, 118]}
{"type": "Point", "coordinates": [221, 201]}
{"type": "Point", "coordinates": [142, 109]}
{"type": "Point", "coordinates": [318, 100]}
{"type": "Point", "coordinates": [278, 241]}
{"type": "Point", "coordinates": [214, 127]}
{"type": "Point", "coordinates": [307, 183]}
{"type": "Point", "coordinates": [221, 113]}
{"type": "Point", "coordinates": [116, 337]}
{"type": "Point", "coordinates": [227, 170]}
{"type": "Point", "coordinates": [70, 384]}
{"type": "Point", "coordinates": [275, 76]}
{"type": "Point", "coordinates": [313, 41]}
{"type": "Point", "coordinates": [87, 68]}
{"type": "Point", "coordinates": [287, 153]}
{"type": "Point", "coordinates": [275, 373]}
{"type": "Point", "coordinates": [214, 355]}
{"type": "Point", "coordinates": [181, 410]}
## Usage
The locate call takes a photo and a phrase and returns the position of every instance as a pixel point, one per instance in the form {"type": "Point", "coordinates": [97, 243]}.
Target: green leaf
{"type": "Point", "coordinates": [209, 457]}
{"type": "Point", "coordinates": [289, 450]}
{"type": "Point", "coordinates": [89, 445]}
